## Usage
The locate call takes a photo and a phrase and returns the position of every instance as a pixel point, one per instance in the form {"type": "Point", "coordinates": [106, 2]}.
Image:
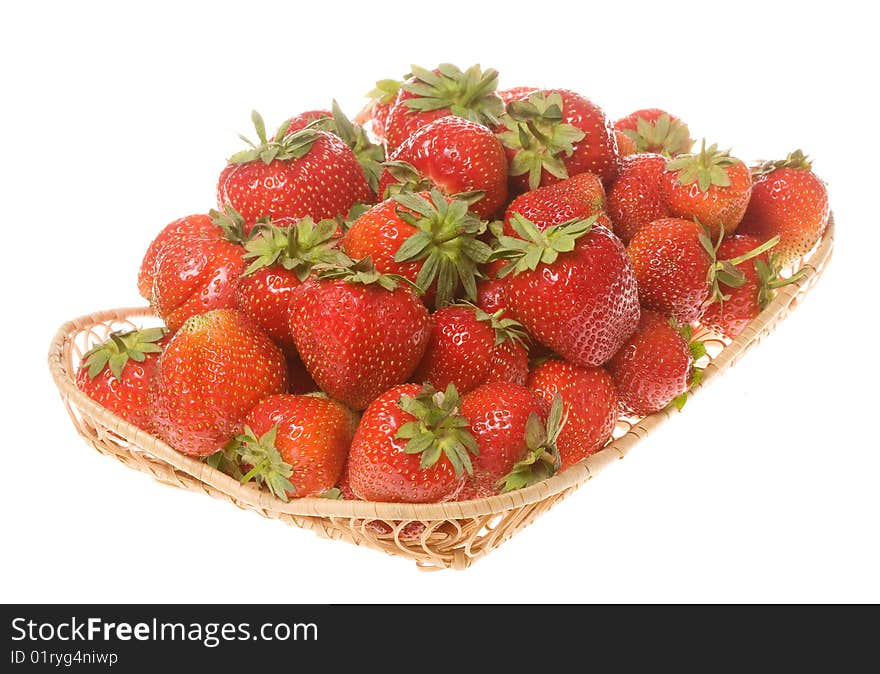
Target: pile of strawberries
{"type": "Point", "coordinates": [458, 300]}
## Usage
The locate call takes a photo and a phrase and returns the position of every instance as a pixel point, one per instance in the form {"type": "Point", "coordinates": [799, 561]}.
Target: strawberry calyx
{"type": "Point", "coordinates": [469, 94]}
{"type": "Point", "coordinates": [707, 167]}
{"type": "Point", "coordinates": [226, 460]}
{"type": "Point", "coordinates": [697, 350]}
{"type": "Point", "coordinates": [537, 134]}
{"type": "Point", "coordinates": [121, 347]}
{"type": "Point", "coordinates": [231, 222]}
{"type": "Point", "coordinates": [769, 280]}
{"type": "Point", "coordinates": [298, 248]}
{"type": "Point", "coordinates": [534, 247]}
{"type": "Point", "coordinates": [794, 160]}
{"type": "Point", "coordinates": [362, 271]}
{"type": "Point", "coordinates": [284, 146]}
{"type": "Point", "coordinates": [666, 136]}
{"type": "Point", "coordinates": [384, 92]}
{"type": "Point", "coordinates": [439, 429]}
{"type": "Point", "coordinates": [408, 179]}
{"type": "Point", "coordinates": [725, 271]}
{"type": "Point", "coordinates": [542, 458]}
{"type": "Point", "coordinates": [506, 329]}
{"type": "Point", "coordinates": [369, 154]}
{"type": "Point", "coordinates": [267, 465]}
{"type": "Point", "coordinates": [447, 240]}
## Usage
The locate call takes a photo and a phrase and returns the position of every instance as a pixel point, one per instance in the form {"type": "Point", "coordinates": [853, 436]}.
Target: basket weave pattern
{"type": "Point", "coordinates": [435, 536]}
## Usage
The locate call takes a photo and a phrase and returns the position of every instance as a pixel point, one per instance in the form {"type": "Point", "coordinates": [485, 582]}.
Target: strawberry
{"type": "Point", "coordinates": [465, 349]}
{"type": "Point", "coordinates": [790, 202]}
{"type": "Point", "coordinates": [590, 399]}
{"type": "Point", "coordinates": [517, 443]}
{"type": "Point", "coordinates": [711, 187]}
{"type": "Point", "coordinates": [740, 304]}
{"type": "Point", "coordinates": [573, 288]}
{"type": "Point", "coordinates": [308, 172]}
{"type": "Point", "coordinates": [634, 198]}
{"type": "Point", "coordinates": [358, 332]}
{"type": "Point", "coordinates": [281, 259]}
{"type": "Point", "coordinates": [577, 197]}
{"type": "Point", "coordinates": [455, 155]}
{"type": "Point", "coordinates": [295, 444]}
{"type": "Point", "coordinates": [656, 131]}
{"type": "Point", "coordinates": [491, 289]}
{"type": "Point", "coordinates": [196, 268]}
{"type": "Point", "coordinates": [431, 94]}
{"type": "Point", "coordinates": [429, 239]}
{"type": "Point", "coordinates": [655, 365]}
{"type": "Point", "coordinates": [120, 374]}
{"type": "Point", "coordinates": [556, 134]}
{"type": "Point", "coordinates": [382, 96]}
{"type": "Point", "coordinates": [189, 227]}
{"type": "Point", "coordinates": [510, 361]}
{"type": "Point", "coordinates": [213, 371]}
{"type": "Point", "coordinates": [412, 445]}
{"type": "Point", "coordinates": [678, 269]}
{"type": "Point", "coordinates": [625, 144]}
{"type": "Point", "coordinates": [368, 154]}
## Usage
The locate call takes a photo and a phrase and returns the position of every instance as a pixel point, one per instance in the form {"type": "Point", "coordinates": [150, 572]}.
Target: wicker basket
{"type": "Point", "coordinates": [436, 536]}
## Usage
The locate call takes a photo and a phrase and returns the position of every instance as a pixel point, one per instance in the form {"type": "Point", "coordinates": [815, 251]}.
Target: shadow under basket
{"type": "Point", "coordinates": [435, 536]}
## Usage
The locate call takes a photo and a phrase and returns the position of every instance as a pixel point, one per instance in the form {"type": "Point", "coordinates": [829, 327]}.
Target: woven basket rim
{"type": "Point", "coordinates": [321, 507]}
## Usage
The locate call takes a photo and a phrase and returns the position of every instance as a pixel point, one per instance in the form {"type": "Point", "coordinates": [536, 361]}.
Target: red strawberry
{"type": "Point", "coordinates": [456, 156]}
{"type": "Point", "coordinates": [634, 198]}
{"type": "Point", "coordinates": [491, 289]}
{"type": "Point", "coordinates": [381, 99]}
{"type": "Point", "coordinates": [573, 288]}
{"type": "Point", "coordinates": [120, 374]}
{"type": "Point", "coordinates": [296, 445]}
{"type": "Point", "coordinates": [790, 202]}
{"type": "Point", "coordinates": [590, 399]}
{"type": "Point", "coordinates": [510, 362]}
{"type": "Point", "coordinates": [309, 172]}
{"type": "Point", "coordinates": [517, 445]}
{"type": "Point", "coordinates": [358, 332]}
{"type": "Point", "coordinates": [625, 144]}
{"type": "Point", "coordinates": [740, 304]}
{"type": "Point", "coordinates": [303, 119]}
{"type": "Point", "coordinates": [654, 130]}
{"type": "Point", "coordinates": [711, 187]}
{"type": "Point", "coordinates": [189, 227]}
{"type": "Point", "coordinates": [428, 239]}
{"type": "Point", "coordinates": [281, 259]}
{"type": "Point", "coordinates": [464, 345]}
{"type": "Point", "coordinates": [430, 95]}
{"type": "Point", "coordinates": [411, 446]}
{"type": "Point", "coordinates": [368, 154]}
{"type": "Point", "coordinates": [195, 271]}
{"type": "Point", "coordinates": [213, 371]}
{"type": "Point", "coordinates": [654, 366]}
{"type": "Point", "coordinates": [577, 197]}
{"type": "Point", "coordinates": [556, 134]}
{"type": "Point", "coordinates": [678, 268]}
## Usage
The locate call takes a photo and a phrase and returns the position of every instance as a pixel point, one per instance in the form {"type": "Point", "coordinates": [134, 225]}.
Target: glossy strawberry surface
{"type": "Point", "coordinates": [653, 366]}
{"type": "Point", "coordinates": [213, 371]}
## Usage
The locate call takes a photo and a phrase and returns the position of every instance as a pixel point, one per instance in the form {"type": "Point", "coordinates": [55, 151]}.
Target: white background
{"type": "Point", "coordinates": [116, 120]}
